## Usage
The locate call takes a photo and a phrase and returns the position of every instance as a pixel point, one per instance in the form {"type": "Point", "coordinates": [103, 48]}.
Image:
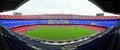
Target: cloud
{"type": "Point", "coordinates": [83, 7]}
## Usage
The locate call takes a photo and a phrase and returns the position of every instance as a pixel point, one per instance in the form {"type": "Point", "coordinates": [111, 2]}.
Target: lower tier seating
{"type": "Point", "coordinates": [23, 29]}
{"type": "Point", "coordinates": [97, 28]}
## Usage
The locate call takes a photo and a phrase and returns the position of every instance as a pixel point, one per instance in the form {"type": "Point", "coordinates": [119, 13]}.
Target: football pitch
{"type": "Point", "coordinates": [59, 33]}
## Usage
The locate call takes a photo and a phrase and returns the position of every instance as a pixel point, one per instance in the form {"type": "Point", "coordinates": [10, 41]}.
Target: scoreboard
{"type": "Point", "coordinates": [58, 22]}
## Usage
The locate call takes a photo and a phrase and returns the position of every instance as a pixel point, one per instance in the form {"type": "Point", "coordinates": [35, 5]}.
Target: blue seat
{"type": "Point", "coordinates": [15, 23]}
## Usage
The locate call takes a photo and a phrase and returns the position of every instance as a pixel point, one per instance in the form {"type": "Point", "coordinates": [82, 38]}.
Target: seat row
{"type": "Point", "coordinates": [10, 42]}
{"type": "Point", "coordinates": [58, 16]}
{"type": "Point", "coordinates": [109, 41]}
{"type": "Point", "coordinates": [23, 29]}
{"type": "Point", "coordinates": [97, 28]}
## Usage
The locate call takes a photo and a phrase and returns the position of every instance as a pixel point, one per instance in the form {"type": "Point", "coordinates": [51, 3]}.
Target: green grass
{"type": "Point", "coordinates": [57, 33]}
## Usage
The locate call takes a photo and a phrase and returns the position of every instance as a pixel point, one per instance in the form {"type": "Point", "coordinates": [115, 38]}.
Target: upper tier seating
{"type": "Point", "coordinates": [58, 16]}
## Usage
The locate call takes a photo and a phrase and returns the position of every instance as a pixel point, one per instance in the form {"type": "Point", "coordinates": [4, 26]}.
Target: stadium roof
{"type": "Point", "coordinates": [111, 6]}
{"type": "Point", "coordinates": [7, 5]}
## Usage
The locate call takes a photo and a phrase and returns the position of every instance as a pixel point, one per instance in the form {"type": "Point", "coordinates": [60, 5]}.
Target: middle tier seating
{"type": "Point", "coordinates": [17, 23]}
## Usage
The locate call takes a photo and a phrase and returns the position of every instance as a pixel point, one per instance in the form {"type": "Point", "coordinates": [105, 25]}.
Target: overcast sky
{"type": "Point", "coordinates": [35, 7]}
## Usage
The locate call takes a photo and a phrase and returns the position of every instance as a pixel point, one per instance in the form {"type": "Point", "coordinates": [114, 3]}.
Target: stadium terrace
{"type": "Point", "coordinates": [58, 31]}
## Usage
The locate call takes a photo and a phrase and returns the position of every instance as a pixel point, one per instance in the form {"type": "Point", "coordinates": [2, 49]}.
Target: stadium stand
{"type": "Point", "coordinates": [15, 21]}
{"type": "Point", "coordinates": [59, 16]}
{"type": "Point", "coordinates": [21, 24]}
{"type": "Point", "coordinates": [10, 42]}
{"type": "Point", "coordinates": [23, 29]}
{"type": "Point", "coordinates": [97, 28]}
{"type": "Point", "coordinates": [107, 42]}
